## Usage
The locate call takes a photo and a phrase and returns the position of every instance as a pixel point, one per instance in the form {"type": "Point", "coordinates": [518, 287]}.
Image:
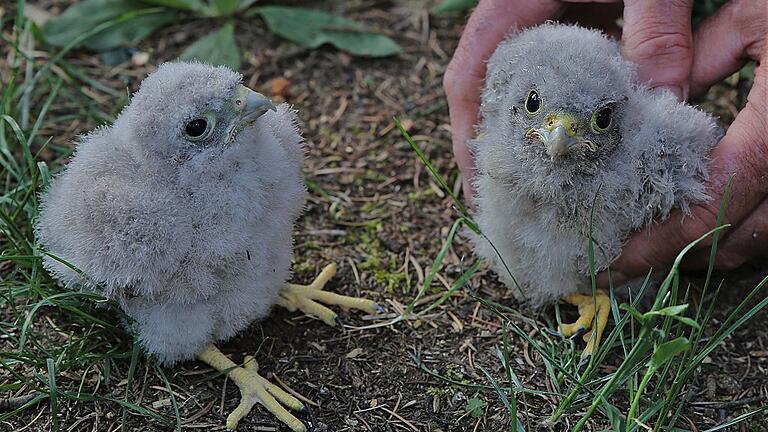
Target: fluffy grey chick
{"type": "Point", "coordinates": [182, 212]}
{"type": "Point", "coordinates": [565, 124]}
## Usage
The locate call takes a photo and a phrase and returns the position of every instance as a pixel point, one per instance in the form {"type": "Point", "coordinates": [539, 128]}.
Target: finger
{"type": "Point", "coordinates": [488, 25]}
{"type": "Point", "coordinates": [595, 15]}
{"type": "Point", "coordinates": [748, 240]}
{"type": "Point", "coordinates": [743, 154]}
{"type": "Point", "coordinates": [657, 37]}
{"type": "Point", "coordinates": [726, 40]}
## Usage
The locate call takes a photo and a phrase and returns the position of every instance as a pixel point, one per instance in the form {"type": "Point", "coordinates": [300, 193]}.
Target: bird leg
{"type": "Point", "coordinates": [254, 389]}
{"type": "Point", "coordinates": [587, 305]}
{"type": "Point", "coordinates": [308, 299]}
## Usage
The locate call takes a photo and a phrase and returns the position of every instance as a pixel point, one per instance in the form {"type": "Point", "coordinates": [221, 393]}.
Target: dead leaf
{"type": "Point", "coordinates": [354, 353]}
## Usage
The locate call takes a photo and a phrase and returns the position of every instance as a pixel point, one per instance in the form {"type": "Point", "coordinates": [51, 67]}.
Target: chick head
{"type": "Point", "coordinates": [560, 93]}
{"type": "Point", "coordinates": [188, 107]}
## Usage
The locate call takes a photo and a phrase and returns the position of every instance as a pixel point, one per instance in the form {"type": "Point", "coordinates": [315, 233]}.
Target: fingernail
{"type": "Point", "coordinates": [678, 91]}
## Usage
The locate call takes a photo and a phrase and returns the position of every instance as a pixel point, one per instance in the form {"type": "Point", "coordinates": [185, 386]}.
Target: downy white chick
{"type": "Point", "coordinates": [182, 212]}
{"type": "Point", "coordinates": [565, 125]}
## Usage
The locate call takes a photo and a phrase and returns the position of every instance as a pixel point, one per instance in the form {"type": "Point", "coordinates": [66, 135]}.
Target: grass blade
{"type": "Point", "coordinates": [52, 394]}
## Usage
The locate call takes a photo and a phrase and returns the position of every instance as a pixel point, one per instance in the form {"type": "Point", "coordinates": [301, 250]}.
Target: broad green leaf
{"type": "Point", "coordinates": [138, 21]}
{"type": "Point", "coordinates": [189, 5]}
{"type": "Point", "coordinates": [217, 48]}
{"type": "Point", "coordinates": [688, 321]}
{"type": "Point", "coordinates": [453, 6]}
{"type": "Point", "coordinates": [634, 312]}
{"type": "Point", "coordinates": [615, 417]}
{"type": "Point", "coordinates": [210, 8]}
{"type": "Point", "coordinates": [131, 31]}
{"type": "Point", "coordinates": [674, 312]}
{"type": "Point", "coordinates": [312, 28]}
{"type": "Point", "coordinates": [669, 311]}
{"type": "Point", "coordinates": [667, 350]}
{"type": "Point", "coordinates": [224, 7]}
{"type": "Point", "coordinates": [245, 4]}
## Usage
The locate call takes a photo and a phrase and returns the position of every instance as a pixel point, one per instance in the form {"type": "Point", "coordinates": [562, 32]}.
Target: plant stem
{"type": "Point", "coordinates": [636, 400]}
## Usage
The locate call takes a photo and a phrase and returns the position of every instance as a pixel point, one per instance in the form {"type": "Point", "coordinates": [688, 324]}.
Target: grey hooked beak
{"type": "Point", "coordinates": [560, 134]}
{"type": "Point", "coordinates": [558, 142]}
{"type": "Point", "coordinates": [253, 104]}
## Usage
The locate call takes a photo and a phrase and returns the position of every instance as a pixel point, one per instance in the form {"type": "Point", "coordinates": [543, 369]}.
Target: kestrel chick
{"type": "Point", "coordinates": [566, 127]}
{"type": "Point", "coordinates": [182, 212]}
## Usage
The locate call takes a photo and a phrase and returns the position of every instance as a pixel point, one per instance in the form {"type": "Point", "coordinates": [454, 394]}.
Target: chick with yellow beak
{"type": "Point", "coordinates": [562, 134]}
{"type": "Point", "coordinates": [574, 150]}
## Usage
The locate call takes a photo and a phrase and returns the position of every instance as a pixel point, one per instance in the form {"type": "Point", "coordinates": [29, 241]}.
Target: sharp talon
{"type": "Point", "coordinates": [554, 333]}
{"type": "Point", "coordinates": [303, 409]}
{"type": "Point", "coordinates": [338, 322]}
{"type": "Point", "coordinates": [585, 359]}
{"type": "Point", "coordinates": [594, 312]}
{"type": "Point", "coordinates": [312, 420]}
{"type": "Point", "coordinates": [578, 333]}
{"type": "Point", "coordinates": [379, 308]}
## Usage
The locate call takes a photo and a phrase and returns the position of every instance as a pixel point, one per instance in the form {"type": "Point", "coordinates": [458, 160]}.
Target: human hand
{"type": "Point", "coordinates": [722, 44]}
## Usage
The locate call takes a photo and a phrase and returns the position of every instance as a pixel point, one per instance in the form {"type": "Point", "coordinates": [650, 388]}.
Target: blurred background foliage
{"type": "Point", "coordinates": [106, 25]}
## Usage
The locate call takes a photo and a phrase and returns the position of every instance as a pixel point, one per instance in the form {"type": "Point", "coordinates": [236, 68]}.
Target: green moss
{"type": "Point", "coordinates": [373, 262]}
{"type": "Point", "coordinates": [421, 195]}
{"type": "Point", "coordinates": [453, 372]}
{"type": "Point", "coordinates": [375, 176]}
{"type": "Point", "coordinates": [303, 267]}
{"type": "Point", "coordinates": [382, 263]}
{"type": "Point", "coordinates": [437, 391]}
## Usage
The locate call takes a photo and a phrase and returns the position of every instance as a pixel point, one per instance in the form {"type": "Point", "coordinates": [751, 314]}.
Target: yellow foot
{"type": "Point", "coordinates": [587, 317]}
{"type": "Point", "coordinates": [308, 298]}
{"type": "Point", "coordinates": [254, 389]}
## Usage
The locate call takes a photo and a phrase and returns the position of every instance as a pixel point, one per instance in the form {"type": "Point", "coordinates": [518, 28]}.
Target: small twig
{"type": "Point", "coordinates": [296, 394]}
{"type": "Point", "coordinates": [14, 403]}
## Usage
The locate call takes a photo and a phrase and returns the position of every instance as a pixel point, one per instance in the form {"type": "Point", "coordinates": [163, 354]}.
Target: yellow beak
{"type": "Point", "coordinates": [559, 134]}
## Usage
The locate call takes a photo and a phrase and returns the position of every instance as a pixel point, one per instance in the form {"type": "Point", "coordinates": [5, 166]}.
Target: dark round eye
{"type": "Point", "coordinates": [196, 128]}
{"type": "Point", "coordinates": [602, 119]}
{"type": "Point", "coordinates": [533, 103]}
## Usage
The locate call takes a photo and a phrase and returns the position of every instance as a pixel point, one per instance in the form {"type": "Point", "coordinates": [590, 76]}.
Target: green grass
{"type": "Point", "coordinates": [35, 352]}
{"type": "Point", "coordinates": [662, 349]}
